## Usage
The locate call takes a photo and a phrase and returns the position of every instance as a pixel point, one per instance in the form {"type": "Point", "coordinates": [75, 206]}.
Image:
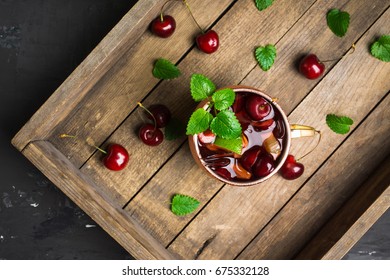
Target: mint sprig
{"type": "Point", "coordinates": [165, 70]}
{"type": "Point", "coordinates": [183, 204]}
{"type": "Point", "coordinates": [339, 124]}
{"type": "Point", "coordinates": [265, 56]}
{"type": "Point", "coordinates": [201, 87]}
{"type": "Point", "coordinates": [263, 4]}
{"type": "Point", "coordinates": [217, 116]}
{"type": "Point", "coordinates": [381, 48]}
{"type": "Point", "coordinates": [338, 22]}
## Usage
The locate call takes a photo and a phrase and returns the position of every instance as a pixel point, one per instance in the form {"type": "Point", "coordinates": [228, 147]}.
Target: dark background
{"type": "Point", "coordinates": [41, 43]}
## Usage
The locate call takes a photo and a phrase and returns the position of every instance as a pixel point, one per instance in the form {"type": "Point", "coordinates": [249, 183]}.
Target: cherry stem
{"type": "Point", "coordinates": [192, 15]}
{"type": "Point", "coordinates": [92, 145]}
{"type": "Point", "coordinates": [150, 113]}
{"type": "Point", "coordinates": [318, 142]}
{"type": "Point", "coordinates": [162, 9]}
{"type": "Point", "coordinates": [348, 53]}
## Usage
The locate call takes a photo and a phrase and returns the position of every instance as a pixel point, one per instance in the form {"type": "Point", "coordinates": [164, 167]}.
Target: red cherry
{"type": "Point", "coordinates": [163, 26]}
{"type": "Point", "coordinates": [208, 42]}
{"type": "Point", "coordinates": [257, 107]}
{"type": "Point", "coordinates": [249, 158]}
{"type": "Point", "coordinates": [151, 135]}
{"type": "Point", "coordinates": [291, 169]}
{"type": "Point", "coordinates": [224, 173]}
{"type": "Point", "coordinates": [206, 137]}
{"type": "Point", "coordinates": [311, 67]}
{"type": "Point", "coordinates": [117, 157]}
{"type": "Point", "coordinates": [263, 125]}
{"type": "Point", "coordinates": [264, 166]}
{"type": "Point", "coordinates": [161, 113]}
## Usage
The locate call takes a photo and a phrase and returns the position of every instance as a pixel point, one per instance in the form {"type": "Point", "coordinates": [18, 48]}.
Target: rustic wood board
{"type": "Point", "coordinates": [98, 102]}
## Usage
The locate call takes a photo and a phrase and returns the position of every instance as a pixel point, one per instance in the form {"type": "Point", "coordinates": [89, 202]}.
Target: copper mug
{"type": "Point", "coordinates": [290, 131]}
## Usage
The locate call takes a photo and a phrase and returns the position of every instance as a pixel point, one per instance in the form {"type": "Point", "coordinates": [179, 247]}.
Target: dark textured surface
{"type": "Point", "coordinates": [41, 42]}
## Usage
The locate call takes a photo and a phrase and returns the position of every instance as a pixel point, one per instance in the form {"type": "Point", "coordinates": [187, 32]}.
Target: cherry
{"type": "Point", "coordinates": [257, 107]}
{"type": "Point", "coordinates": [161, 114]}
{"type": "Point", "coordinates": [249, 157]}
{"type": "Point", "coordinates": [291, 169]}
{"type": "Point", "coordinates": [208, 42]}
{"type": "Point", "coordinates": [263, 125]}
{"type": "Point", "coordinates": [151, 135]}
{"type": "Point", "coordinates": [263, 166]}
{"type": "Point", "coordinates": [163, 26]}
{"type": "Point", "coordinates": [116, 158]}
{"type": "Point", "coordinates": [311, 67]}
{"type": "Point", "coordinates": [224, 173]}
{"type": "Point", "coordinates": [206, 137]}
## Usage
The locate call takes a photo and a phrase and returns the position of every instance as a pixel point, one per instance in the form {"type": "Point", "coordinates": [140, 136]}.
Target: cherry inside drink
{"type": "Point", "coordinates": [263, 139]}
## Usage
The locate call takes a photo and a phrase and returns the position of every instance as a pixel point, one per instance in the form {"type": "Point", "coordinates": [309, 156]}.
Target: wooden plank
{"type": "Point", "coordinates": [354, 219]}
{"type": "Point", "coordinates": [219, 68]}
{"type": "Point", "coordinates": [68, 96]}
{"type": "Point", "coordinates": [97, 205]}
{"type": "Point", "coordinates": [338, 179]}
{"type": "Point", "coordinates": [116, 94]}
{"type": "Point", "coordinates": [226, 230]}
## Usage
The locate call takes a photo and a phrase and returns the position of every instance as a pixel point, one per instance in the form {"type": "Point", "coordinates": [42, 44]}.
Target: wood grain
{"type": "Point", "coordinates": [355, 217]}
{"type": "Point", "coordinates": [77, 86]}
{"type": "Point", "coordinates": [97, 205]}
{"type": "Point", "coordinates": [130, 80]}
{"type": "Point", "coordinates": [339, 178]}
{"type": "Point", "coordinates": [251, 209]}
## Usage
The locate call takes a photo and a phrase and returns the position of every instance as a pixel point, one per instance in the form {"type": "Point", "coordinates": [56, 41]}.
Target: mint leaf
{"type": "Point", "coordinates": [339, 124]}
{"type": "Point", "coordinates": [201, 87]}
{"type": "Point", "coordinates": [223, 99]}
{"type": "Point", "coordinates": [265, 56]}
{"type": "Point", "coordinates": [263, 4]}
{"type": "Point", "coordinates": [183, 204]}
{"type": "Point", "coordinates": [199, 121]}
{"type": "Point", "coordinates": [174, 129]}
{"type": "Point", "coordinates": [381, 48]}
{"type": "Point", "coordinates": [338, 22]}
{"type": "Point", "coordinates": [164, 69]}
{"type": "Point", "coordinates": [234, 145]}
{"type": "Point", "coordinates": [226, 125]}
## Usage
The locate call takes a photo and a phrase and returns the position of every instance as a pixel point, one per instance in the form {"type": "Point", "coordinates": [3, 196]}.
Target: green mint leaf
{"type": "Point", "coordinates": [174, 129]}
{"type": "Point", "coordinates": [338, 22]}
{"type": "Point", "coordinates": [381, 48]}
{"type": "Point", "coordinates": [165, 70]}
{"type": "Point", "coordinates": [201, 87]}
{"type": "Point", "coordinates": [265, 56]}
{"type": "Point", "coordinates": [233, 145]}
{"type": "Point", "coordinates": [223, 99]}
{"type": "Point", "coordinates": [263, 4]}
{"type": "Point", "coordinates": [183, 204]}
{"type": "Point", "coordinates": [199, 121]}
{"type": "Point", "coordinates": [226, 125]}
{"type": "Point", "coordinates": [339, 124]}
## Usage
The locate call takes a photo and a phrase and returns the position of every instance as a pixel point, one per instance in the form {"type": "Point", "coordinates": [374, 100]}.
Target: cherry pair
{"type": "Point", "coordinates": [164, 26]}
{"type": "Point", "coordinates": [151, 134]}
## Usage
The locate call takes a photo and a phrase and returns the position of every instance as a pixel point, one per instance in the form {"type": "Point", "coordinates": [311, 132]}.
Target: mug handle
{"type": "Point", "coordinates": [299, 130]}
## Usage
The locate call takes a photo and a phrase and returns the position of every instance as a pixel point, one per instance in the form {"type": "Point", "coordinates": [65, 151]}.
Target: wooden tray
{"type": "Point", "coordinates": [345, 187]}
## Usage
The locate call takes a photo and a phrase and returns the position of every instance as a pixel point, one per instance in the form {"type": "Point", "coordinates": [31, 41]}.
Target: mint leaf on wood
{"type": "Point", "coordinates": [265, 56]}
{"type": "Point", "coordinates": [340, 125]}
{"type": "Point", "coordinates": [233, 145]}
{"type": "Point", "coordinates": [381, 48]}
{"type": "Point", "coordinates": [165, 70]}
{"type": "Point", "coordinates": [174, 129]}
{"type": "Point", "coordinates": [199, 121]}
{"type": "Point", "coordinates": [338, 22]}
{"type": "Point", "coordinates": [263, 4]}
{"type": "Point", "coordinates": [183, 204]}
{"type": "Point", "coordinates": [201, 87]}
{"type": "Point", "coordinates": [223, 99]}
{"type": "Point", "coordinates": [226, 125]}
